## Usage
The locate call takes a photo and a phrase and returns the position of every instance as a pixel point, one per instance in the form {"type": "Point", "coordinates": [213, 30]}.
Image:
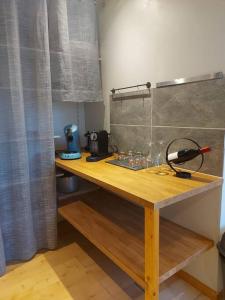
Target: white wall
{"type": "Point", "coordinates": [159, 40]}
{"type": "Point", "coordinates": [202, 215]}
{"type": "Point", "coordinates": [222, 215]}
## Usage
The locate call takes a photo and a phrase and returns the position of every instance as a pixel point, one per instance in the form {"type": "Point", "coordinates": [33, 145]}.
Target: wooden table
{"type": "Point", "coordinates": [112, 220]}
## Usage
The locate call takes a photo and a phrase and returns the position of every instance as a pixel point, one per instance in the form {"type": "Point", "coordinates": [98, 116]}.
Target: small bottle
{"type": "Point", "coordinates": [186, 155]}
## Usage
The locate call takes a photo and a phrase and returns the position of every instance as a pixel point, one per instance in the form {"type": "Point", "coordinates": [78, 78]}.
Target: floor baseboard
{"type": "Point", "coordinates": [204, 289]}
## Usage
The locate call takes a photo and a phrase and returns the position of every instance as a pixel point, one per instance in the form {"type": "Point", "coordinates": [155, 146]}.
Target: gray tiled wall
{"type": "Point", "coordinates": [195, 110]}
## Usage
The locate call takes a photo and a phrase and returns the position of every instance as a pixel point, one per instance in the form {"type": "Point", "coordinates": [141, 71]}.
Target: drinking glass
{"type": "Point", "coordinates": [159, 159]}
{"type": "Point", "coordinates": [121, 156]}
{"type": "Point", "coordinates": [144, 162]}
{"type": "Point", "coordinates": [131, 162]}
{"type": "Point", "coordinates": [138, 159]}
{"type": "Point", "coordinates": [130, 158]}
{"type": "Point", "coordinates": [130, 153]}
{"type": "Point", "coordinates": [149, 161]}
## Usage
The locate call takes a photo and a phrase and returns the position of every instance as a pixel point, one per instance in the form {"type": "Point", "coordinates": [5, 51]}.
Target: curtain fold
{"type": "Point", "coordinates": [27, 178]}
{"type": "Point", "coordinates": [74, 51]}
{"type": "Point", "coordinates": [48, 51]}
{"type": "Point", "coordinates": [2, 255]}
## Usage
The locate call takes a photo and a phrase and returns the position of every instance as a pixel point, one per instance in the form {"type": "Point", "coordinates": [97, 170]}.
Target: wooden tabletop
{"type": "Point", "coordinates": [144, 187]}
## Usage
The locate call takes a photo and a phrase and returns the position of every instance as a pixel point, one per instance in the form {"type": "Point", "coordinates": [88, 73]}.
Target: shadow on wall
{"type": "Point", "coordinates": [88, 116]}
{"type": "Point", "coordinates": [94, 116]}
{"type": "Point", "coordinates": [222, 216]}
{"type": "Point", "coordinates": [65, 113]}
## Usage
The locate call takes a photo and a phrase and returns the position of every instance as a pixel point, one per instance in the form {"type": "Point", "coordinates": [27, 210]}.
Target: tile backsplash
{"type": "Point", "coordinates": [194, 110]}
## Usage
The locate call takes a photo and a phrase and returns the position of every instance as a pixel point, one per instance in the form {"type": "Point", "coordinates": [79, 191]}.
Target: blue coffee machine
{"type": "Point", "coordinates": [73, 145]}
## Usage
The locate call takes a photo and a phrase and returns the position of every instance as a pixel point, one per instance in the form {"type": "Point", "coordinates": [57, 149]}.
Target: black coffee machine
{"type": "Point", "coordinates": [98, 145]}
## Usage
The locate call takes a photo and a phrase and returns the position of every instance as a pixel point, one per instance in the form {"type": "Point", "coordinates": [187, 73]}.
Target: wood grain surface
{"type": "Point", "coordinates": [145, 187]}
{"type": "Point", "coordinates": [116, 227]}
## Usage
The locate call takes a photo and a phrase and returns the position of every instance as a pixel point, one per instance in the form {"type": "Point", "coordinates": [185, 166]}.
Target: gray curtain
{"type": "Point", "coordinates": [48, 50]}
{"type": "Point", "coordinates": [74, 51]}
{"type": "Point", "coordinates": [27, 189]}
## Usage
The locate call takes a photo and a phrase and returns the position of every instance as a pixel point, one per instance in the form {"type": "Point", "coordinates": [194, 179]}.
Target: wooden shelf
{"type": "Point", "coordinates": [144, 187]}
{"type": "Point", "coordinates": [116, 227]}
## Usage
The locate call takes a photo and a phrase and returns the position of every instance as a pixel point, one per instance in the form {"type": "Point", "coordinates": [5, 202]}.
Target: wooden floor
{"type": "Point", "coordinates": [78, 271]}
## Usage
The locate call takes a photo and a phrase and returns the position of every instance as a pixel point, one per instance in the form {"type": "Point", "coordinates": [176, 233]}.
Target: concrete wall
{"type": "Point", "coordinates": [193, 110]}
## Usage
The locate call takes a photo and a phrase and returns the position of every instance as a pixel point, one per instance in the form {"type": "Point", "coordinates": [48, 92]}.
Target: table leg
{"type": "Point", "coordinates": [151, 253]}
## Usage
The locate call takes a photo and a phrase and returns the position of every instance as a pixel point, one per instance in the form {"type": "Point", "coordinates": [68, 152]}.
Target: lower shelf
{"type": "Point", "coordinates": [116, 227]}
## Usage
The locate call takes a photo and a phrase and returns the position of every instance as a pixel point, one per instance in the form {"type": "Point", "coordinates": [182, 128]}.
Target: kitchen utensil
{"type": "Point", "coordinates": [73, 146]}
{"type": "Point", "coordinates": [67, 183]}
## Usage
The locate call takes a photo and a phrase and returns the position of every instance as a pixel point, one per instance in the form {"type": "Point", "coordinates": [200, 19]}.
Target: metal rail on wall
{"type": "Point", "coordinates": [139, 93]}
{"type": "Point", "coordinates": [212, 76]}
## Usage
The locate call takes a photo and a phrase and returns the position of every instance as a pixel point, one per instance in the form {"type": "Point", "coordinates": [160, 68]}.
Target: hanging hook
{"type": "Point", "coordinates": [148, 85]}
